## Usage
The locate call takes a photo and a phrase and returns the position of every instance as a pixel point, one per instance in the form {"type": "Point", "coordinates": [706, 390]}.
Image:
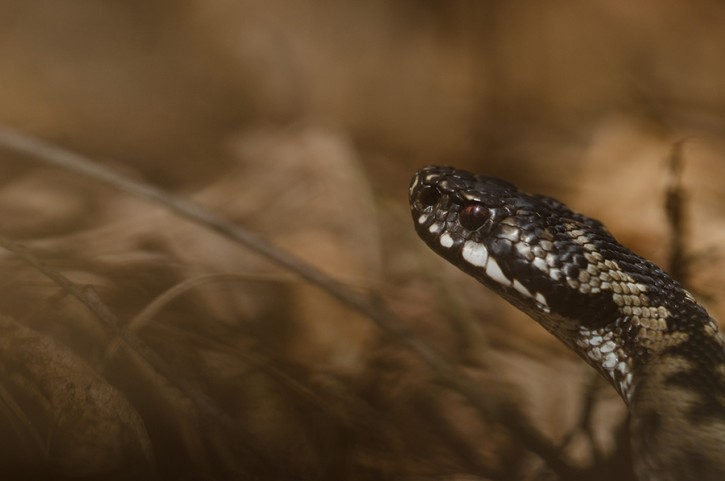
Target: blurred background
{"type": "Point", "coordinates": [303, 122]}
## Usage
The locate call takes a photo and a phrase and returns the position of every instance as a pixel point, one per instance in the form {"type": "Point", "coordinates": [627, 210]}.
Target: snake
{"type": "Point", "coordinates": [626, 317]}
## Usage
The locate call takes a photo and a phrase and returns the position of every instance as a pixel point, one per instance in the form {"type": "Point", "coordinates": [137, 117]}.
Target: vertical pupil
{"type": "Point", "coordinates": [473, 216]}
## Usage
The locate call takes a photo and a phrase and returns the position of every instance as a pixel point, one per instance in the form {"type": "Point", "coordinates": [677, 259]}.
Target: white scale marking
{"type": "Point", "coordinates": [521, 288]}
{"type": "Point", "coordinates": [594, 355]}
{"type": "Point", "coordinates": [446, 240]}
{"type": "Point", "coordinates": [625, 387]}
{"type": "Point", "coordinates": [493, 270]}
{"type": "Point", "coordinates": [475, 253]}
{"type": "Point", "coordinates": [608, 346]}
{"type": "Point", "coordinates": [540, 264]}
{"type": "Point", "coordinates": [610, 361]}
{"type": "Point", "coordinates": [422, 219]}
{"type": "Point", "coordinates": [435, 228]}
{"type": "Point", "coordinates": [415, 184]}
{"type": "Point", "coordinates": [622, 367]}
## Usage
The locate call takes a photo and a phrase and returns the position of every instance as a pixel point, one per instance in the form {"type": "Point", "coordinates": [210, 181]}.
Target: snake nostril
{"type": "Point", "coordinates": [428, 196]}
{"type": "Point", "coordinates": [473, 216]}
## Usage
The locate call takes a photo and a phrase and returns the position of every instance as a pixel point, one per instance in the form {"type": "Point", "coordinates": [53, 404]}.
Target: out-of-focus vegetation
{"type": "Point", "coordinates": [303, 122]}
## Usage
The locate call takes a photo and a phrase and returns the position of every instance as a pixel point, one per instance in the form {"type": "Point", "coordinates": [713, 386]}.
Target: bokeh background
{"type": "Point", "coordinates": [303, 121]}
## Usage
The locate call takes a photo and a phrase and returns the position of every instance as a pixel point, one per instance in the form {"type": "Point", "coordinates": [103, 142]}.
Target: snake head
{"type": "Point", "coordinates": [532, 250]}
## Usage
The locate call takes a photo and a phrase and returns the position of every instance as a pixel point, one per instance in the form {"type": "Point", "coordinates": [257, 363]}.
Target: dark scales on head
{"type": "Point", "coordinates": [618, 311]}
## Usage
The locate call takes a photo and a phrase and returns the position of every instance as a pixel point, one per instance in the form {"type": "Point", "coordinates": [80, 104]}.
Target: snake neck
{"type": "Point", "coordinates": [645, 332]}
{"type": "Point", "coordinates": [666, 358]}
{"type": "Point", "coordinates": [677, 414]}
{"type": "Point", "coordinates": [661, 351]}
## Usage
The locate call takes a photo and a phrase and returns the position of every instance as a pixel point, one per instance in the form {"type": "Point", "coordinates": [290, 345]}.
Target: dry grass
{"type": "Point", "coordinates": [245, 297]}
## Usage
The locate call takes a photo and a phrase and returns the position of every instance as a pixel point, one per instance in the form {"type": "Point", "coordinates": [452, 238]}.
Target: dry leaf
{"type": "Point", "coordinates": [87, 426]}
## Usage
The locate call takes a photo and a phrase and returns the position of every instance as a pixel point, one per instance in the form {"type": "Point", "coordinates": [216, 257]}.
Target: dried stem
{"type": "Point", "coordinates": [675, 207]}
{"type": "Point", "coordinates": [88, 297]}
{"type": "Point", "coordinates": [485, 402]}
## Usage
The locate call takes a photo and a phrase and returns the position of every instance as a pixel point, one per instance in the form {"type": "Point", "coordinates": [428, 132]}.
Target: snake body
{"type": "Point", "coordinates": [622, 314]}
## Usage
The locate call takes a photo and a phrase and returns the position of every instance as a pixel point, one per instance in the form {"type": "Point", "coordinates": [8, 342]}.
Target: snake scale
{"type": "Point", "coordinates": [622, 314]}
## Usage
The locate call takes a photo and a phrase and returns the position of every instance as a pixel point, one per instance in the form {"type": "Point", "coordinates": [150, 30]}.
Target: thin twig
{"type": "Point", "coordinates": [485, 403]}
{"type": "Point", "coordinates": [22, 425]}
{"type": "Point", "coordinates": [675, 207]}
{"type": "Point", "coordinates": [140, 320]}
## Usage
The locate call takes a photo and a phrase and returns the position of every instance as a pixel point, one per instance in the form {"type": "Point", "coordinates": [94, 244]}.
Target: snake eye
{"type": "Point", "coordinates": [428, 196]}
{"type": "Point", "coordinates": [473, 216]}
